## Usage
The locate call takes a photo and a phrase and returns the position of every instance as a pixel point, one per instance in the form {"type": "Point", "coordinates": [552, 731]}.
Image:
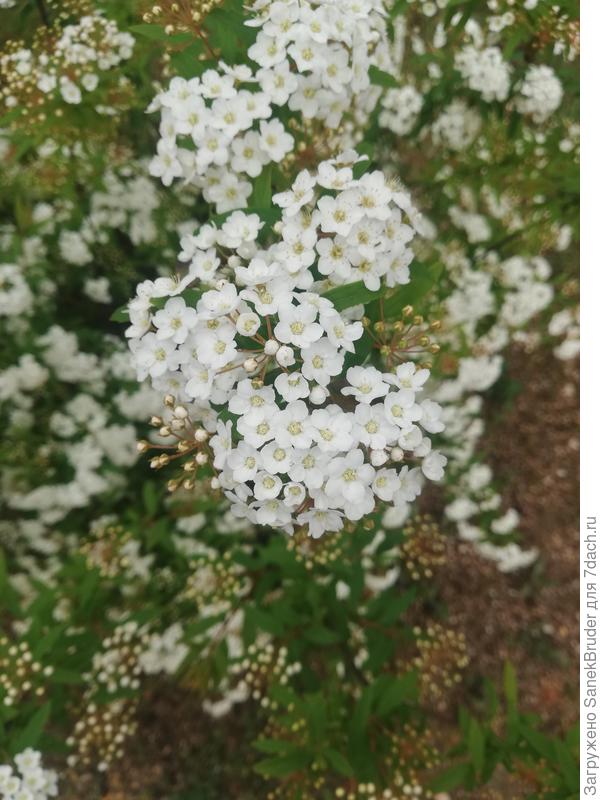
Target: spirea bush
{"type": "Point", "coordinates": [261, 269]}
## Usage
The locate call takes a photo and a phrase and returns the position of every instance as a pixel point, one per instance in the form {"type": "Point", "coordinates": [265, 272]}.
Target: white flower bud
{"type": "Point", "coordinates": [285, 356]}
{"type": "Point", "coordinates": [201, 458]}
{"type": "Point", "coordinates": [397, 454]}
{"type": "Point", "coordinates": [250, 364]}
{"type": "Point", "coordinates": [318, 395]}
{"type": "Point", "coordinates": [271, 347]}
{"type": "Point", "coordinates": [234, 261]}
{"type": "Point", "coordinates": [201, 435]}
{"type": "Point", "coordinates": [180, 412]}
{"type": "Point", "coordinates": [378, 458]}
{"type": "Point", "coordinates": [214, 483]}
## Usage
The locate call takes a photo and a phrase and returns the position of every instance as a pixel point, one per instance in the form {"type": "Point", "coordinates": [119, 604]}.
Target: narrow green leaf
{"type": "Point", "coordinates": [476, 745]}
{"type": "Point", "coordinates": [284, 765]}
{"type": "Point", "coordinates": [401, 691]}
{"type": "Point", "coordinates": [380, 78]}
{"type": "Point", "coordinates": [31, 733]}
{"type": "Point", "coordinates": [262, 192]}
{"type": "Point", "coordinates": [339, 762]}
{"type": "Point", "coordinates": [451, 778]}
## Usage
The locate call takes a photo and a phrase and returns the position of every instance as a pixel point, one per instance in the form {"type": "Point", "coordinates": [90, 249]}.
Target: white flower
{"type": "Point", "coordinates": [321, 361]}
{"type": "Point", "coordinates": [293, 427]}
{"type": "Point", "coordinates": [320, 521]}
{"type": "Point", "coordinates": [332, 429]}
{"type": "Point", "coordinates": [175, 320]}
{"type": "Point", "coordinates": [166, 165]}
{"type": "Point", "coordinates": [349, 478]}
{"type": "Point", "coordinates": [297, 325]}
{"type": "Point", "coordinates": [433, 466]}
{"type": "Point", "coordinates": [244, 462]}
{"type": "Point", "coordinates": [274, 140]}
{"type": "Point", "coordinates": [291, 386]}
{"type": "Point", "coordinates": [366, 384]}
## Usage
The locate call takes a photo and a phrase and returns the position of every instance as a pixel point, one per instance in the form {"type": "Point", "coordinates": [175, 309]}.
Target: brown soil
{"type": "Point", "coordinates": [530, 618]}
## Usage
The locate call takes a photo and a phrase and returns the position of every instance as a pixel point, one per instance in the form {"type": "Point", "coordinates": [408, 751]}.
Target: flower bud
{"type": "Point", "coordinates": [180, 412]}
{"type": "Point", "coordinates": [397, 453]}
{"type": "Point", "coordinates": [285, 356]}
{"type": "Point", "coordinates": [201, 458]}
{"type": "Point", "coordinates": [214, 483]}
{"type": "Point", "coordinates": [318, 395]}
{"type": "Point", "coordinates": [250, 364]}
{"type": "Point", "coordinates": [201, 435]}
{"type": "Point", "coordinates": [271, 347]}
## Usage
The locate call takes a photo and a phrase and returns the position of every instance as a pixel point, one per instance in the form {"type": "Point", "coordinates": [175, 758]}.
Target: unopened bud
{"type": "Point", "coordinates": [285, 356]}
{"type": "Point", "coordinates": [271, 347]}
{"type": "Point", "coordinates": [318, 395]}
{"type": "Point", "coordinates": [397, 453]}
{"type": "Point", "coordinates": [201, 458]}
{"type": "Point", "coordinates": [180, 412]}
{"type": "Point", "coordinates": [250, 364]}
{"type": "Point", "coordinates": [201, 435]}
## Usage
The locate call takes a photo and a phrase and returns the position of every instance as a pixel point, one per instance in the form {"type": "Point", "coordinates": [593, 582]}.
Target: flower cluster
{"type": "Point", "coordinates": [306, 440]}
{"type": "Point", "coordinates": [485, 71]}
{"type": "Point", "coordinates": [30, 781]}
{"type": "Point", "coordinates": [540, 93]}
{"type": "Point", "coordinates": [80, 53]}
{"type": "Point", "coordinates": [312, 58]}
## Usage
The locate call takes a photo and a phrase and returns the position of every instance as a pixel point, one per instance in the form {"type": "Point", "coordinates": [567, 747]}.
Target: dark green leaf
{"type": "Point", "coordinates": [353, 294]}
{"type": "Point", "coordinates": [31, 733]}
{"type": "Point", "coordinates": [451, 778]}
{"type": "Point", "coordinates": [380, 78]}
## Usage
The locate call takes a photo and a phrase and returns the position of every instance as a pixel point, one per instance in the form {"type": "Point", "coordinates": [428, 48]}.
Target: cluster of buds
{"type": "Point", "coordinates": [368, 791]}
{"type": "Point", "coordinates": [262, 668]}
{"type": "Point", "coordinates": [411, 336]}
{"type": "Point", "coordinates": [424, 547]}
{"type": "Point", "coordinates": [106, 550]}
{"type": "Point", "coordinates": [315, 142]}
{"type": "Point", "coordinates": [442, 657]}
{"type": "Point", "coordinates": [21, 676]}
{"type": "Point", "coordinates": [100, 734]}
{"type": "Point", "coordinates": [117, 667]}
{"type": "Point", "coordinates": [185, 16]}
{"type": "Point", "coordinates": [316, 552]}
{"type": "Point", "coordinates": [216, 583]}
{"type": "Point", "coordinates": [190, 445]}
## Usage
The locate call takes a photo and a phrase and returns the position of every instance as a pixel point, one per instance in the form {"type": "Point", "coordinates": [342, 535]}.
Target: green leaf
{"type": "Point", "coordinates": [262, 192]}
{"type": "Point", "coordinates": [510, 685]}
{"type": "Point", "coordinates": [284, 765]}
{"type": "Point", "coordinates": [380, 78]}
{"type": "Point", "coordinates": [540, 744]}
{"type": "Point", "coordinates": [321, 635]}
{"type": "Point", "coordinates": [451, 778]}
{"type": "Point", "coordinates": [423, 277]}
{"type": "Point", "coordinates": [188, 63]}
{"type": "Point", "coordinates": [476, 745]}
{"type": "Point", "coordinates": [31, 733]}
{"type": "Point", "coordinates": [339, 762]}
{"type": "Point", "coordinates": [399, 692]}
{"type": "Point", "coordinates": [274, 746]}
{"type": "Point", "coordinates": [121, 314]}
{"type": "Point", "coordinates": [353, 294]}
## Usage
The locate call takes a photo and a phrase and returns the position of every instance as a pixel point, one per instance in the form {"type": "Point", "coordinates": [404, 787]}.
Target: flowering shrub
{"type": "Point", "coordinates": [319, 259]}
